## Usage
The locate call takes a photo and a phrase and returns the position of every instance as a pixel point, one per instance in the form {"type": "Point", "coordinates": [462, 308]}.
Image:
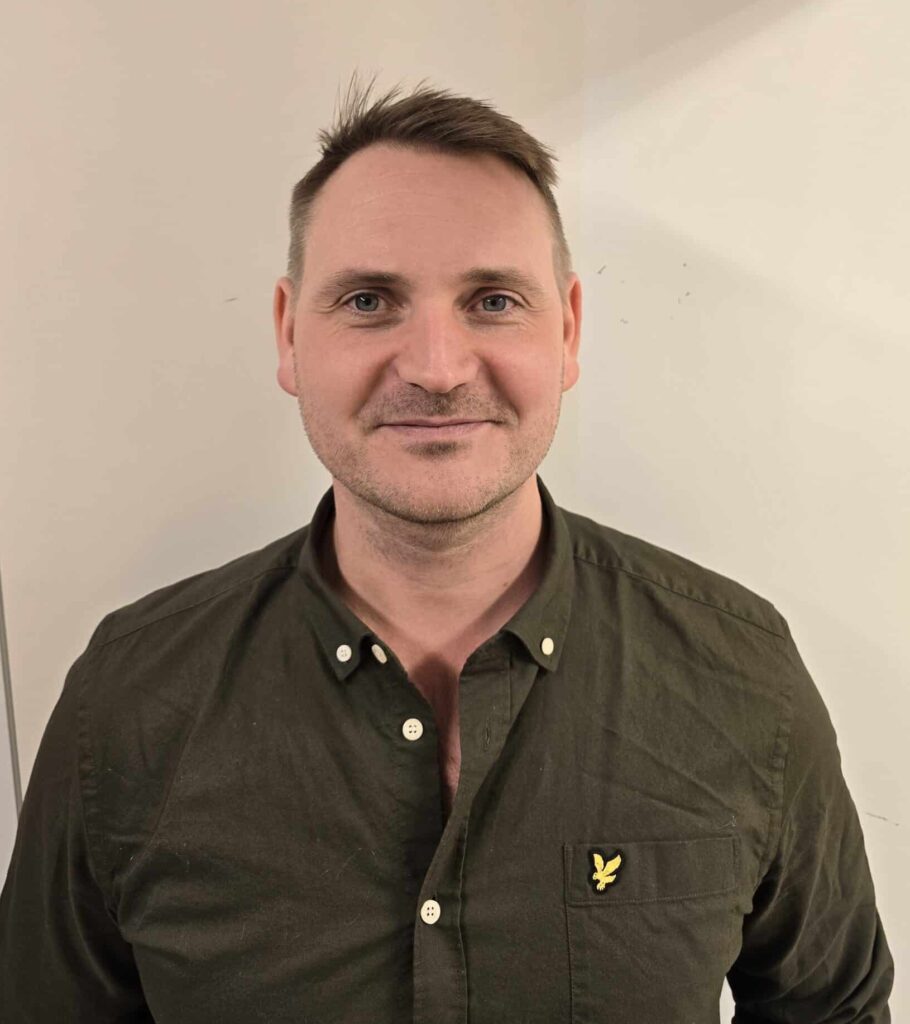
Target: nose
{"type": "Point", "coordinates": [436, 352]}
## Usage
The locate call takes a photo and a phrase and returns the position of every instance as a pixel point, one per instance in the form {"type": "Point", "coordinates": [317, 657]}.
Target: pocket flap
{"type": "Point", "coordinates": [646, 871]}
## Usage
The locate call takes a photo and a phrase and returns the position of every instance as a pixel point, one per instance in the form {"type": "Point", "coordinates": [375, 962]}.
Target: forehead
{"type": "Point", "coordinates": [387, 203]}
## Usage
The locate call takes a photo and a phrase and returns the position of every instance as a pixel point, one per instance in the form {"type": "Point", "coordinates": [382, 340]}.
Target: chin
{"type": "Point", "coordinates": [440, 500]}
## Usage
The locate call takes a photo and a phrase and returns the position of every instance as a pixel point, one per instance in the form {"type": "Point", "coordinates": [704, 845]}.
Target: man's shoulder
{"type": "Point", "coordinates": [211, 592]}
{"type": "Point", "coordinates": [149, 668]}
{"type": "Point", "coordinates": [653, 566]}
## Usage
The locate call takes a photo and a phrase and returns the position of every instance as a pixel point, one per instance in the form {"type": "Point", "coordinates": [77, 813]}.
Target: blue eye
{"type": "Point", "coordinates": [376, 295]}
{"type": "Point", "coordinates": [360, 295]}
{"type": "Point", "coordinates": [496, 296]}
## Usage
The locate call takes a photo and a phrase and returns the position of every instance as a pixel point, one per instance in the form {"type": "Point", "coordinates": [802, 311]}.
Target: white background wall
{"type": "Point", "coordinates": [733, 181]}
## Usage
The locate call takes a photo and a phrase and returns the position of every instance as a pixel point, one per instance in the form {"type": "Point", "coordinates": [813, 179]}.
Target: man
{"type": "Point", "coordinates": [450, 752]}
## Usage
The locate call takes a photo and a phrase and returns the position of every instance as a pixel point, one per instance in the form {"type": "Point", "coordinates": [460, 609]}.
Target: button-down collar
{"type": "Point", "coordinates": [540, 624]}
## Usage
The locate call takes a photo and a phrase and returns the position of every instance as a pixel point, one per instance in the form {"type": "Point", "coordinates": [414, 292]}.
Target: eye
{"type": "Point", "coordinates": [360, 295]}
{"type": "Point", "coordinates": [376, 295]}
{"type": "Point", "coordinates": [498, 295]}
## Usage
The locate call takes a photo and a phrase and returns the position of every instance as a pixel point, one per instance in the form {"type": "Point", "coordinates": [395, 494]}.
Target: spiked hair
{"type": "Point", "coordinates": [430, 120]}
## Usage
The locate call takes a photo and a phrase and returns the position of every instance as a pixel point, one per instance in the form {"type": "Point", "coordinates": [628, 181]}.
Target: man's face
{"type": "Point", "coordinates": [362, 355]}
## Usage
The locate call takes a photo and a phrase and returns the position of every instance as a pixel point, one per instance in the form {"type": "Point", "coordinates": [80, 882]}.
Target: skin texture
{"type": "Point", "coordinates": [436, 543]}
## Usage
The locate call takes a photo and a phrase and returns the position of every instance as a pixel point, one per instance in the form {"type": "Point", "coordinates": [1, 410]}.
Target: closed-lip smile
{"type": "Point", "coordinates": [439, 430]}
{"type": "Point", "coordinates": [430, 423]}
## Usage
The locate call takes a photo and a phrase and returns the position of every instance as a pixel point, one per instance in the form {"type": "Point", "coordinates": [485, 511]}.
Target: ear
{"type": "Point", "coordinates": [283, 316]}
{"type": "Point", "coordinates": [571, 331]}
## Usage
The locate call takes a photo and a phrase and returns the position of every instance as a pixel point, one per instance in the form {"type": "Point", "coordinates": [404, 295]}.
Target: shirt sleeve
{"type": "Point", "coordinates": [813, 947]}
{"type": "Point", "coordinates": [62, 957]}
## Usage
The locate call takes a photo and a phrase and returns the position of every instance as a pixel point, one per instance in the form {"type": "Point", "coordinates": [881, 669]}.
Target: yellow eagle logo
{"type": "Point", "coordinates": [605, 871]}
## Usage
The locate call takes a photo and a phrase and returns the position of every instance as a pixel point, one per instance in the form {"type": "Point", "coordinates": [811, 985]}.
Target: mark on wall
{"type": "Point", "coordinates": [883, 818]}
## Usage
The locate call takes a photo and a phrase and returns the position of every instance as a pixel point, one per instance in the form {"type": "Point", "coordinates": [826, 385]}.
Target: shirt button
{"type": "Point", "coordinates": [380, 654]}
{"type": "Point", "coordinates": [430, 911]}
{"type": "Point", "coordinates": [412, 729]}
{"type": "Point", "coordinates": [546, 645]}
{"type": "Point", "coordinates": [343, 653]}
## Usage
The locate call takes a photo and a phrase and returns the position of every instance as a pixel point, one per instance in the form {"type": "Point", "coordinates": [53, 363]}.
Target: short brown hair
{"type": "Point", "coordinates": [431, 120]}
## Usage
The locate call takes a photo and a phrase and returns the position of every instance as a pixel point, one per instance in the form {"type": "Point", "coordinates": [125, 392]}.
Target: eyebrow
{"type": "Point", "coordinates": [360, 277]}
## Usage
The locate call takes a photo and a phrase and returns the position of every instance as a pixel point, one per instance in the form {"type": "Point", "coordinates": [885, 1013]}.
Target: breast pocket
{"type": "Point", "coordinates": [652, 928]}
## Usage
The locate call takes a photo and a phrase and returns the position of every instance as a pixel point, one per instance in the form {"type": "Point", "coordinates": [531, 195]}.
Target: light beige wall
{"type": "Point", "coordinates": [734, 188]}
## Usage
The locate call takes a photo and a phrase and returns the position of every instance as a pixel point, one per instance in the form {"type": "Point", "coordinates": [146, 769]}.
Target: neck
{"type": "Point", "coordinates": [450, 580]}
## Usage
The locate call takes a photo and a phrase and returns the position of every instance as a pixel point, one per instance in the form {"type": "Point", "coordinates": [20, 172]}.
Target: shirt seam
{"type": "Point", "coordinates": [186, 608]}
{"type": "Point", "coordinates": [679, 593]}
{"type": "Point", "coordinates": [775, 817]}
{"type": "Point", "coordinates": [88, 792]}
{"type": "Point", "coordinates": [780, 760]}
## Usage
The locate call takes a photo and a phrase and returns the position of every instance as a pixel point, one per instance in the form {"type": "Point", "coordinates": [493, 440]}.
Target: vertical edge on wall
{"type": "Point", "coordinates": [8, 691]}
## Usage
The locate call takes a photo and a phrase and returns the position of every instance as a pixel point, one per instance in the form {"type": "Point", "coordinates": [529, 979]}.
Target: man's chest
{"type": "Point", "coordinates": [314, 843]}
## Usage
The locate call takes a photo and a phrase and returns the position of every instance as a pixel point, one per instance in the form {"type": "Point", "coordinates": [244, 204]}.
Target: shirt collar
{"type": "Point", "coordinates": [543, 617]}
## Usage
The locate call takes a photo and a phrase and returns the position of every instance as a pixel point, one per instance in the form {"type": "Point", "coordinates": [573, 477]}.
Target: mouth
{"type": "Point", "coordinates": [436, 433]}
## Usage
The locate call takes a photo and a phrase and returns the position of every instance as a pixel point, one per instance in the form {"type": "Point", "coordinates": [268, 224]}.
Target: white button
{"type": "Point", "coordinates": [343, 653]}
{"type": "Point", "coordinates": [380, 653]}
{"type": "Point", "coordinates": [412, 729]}
{"type": "Point", "coordinates": [430, 911]}
{"type": "Point", "coordinates": [546, 645]}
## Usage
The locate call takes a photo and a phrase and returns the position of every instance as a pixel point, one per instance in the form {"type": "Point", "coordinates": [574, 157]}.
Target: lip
{"type": "Point", "coordinates": [441, 433]}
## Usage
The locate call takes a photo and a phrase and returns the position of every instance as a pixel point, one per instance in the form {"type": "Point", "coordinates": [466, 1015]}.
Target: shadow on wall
{"type": "Point", "coordinates": [646, 47]}
{"type": "Point", "coordinates": [788, 398]}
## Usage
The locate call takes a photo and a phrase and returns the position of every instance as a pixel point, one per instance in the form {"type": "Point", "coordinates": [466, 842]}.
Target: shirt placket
{"type": "Point", "coordinates": [490, 695]}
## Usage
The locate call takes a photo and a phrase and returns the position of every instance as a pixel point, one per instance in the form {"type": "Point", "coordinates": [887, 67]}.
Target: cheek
{"type": "Point", "coordinates": [532, 385]}
{"type": "Point", "coordinates": [331, 388]}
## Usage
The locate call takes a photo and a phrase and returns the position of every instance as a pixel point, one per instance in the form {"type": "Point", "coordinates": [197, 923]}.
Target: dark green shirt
{"type": "Point", "coordinates": [235, 813]}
